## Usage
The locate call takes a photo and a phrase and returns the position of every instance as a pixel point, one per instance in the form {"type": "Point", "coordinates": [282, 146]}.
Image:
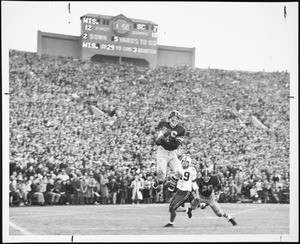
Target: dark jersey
{"type": "Point", "coordinates": [206, 188]}
{"type": "Point", "coordinates": [171, 143]}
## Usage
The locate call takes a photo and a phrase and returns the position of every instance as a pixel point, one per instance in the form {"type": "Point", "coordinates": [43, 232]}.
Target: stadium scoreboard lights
{"type": "Point", "coordinates": [118, 36]}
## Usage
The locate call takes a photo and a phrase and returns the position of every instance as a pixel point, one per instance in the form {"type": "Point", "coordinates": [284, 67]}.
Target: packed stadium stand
{"type": "Point", "coordinates": [237, 121]}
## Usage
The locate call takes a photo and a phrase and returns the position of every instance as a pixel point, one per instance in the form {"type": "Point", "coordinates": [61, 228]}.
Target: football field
{"type": "Point", "coordinates": [148, 220]}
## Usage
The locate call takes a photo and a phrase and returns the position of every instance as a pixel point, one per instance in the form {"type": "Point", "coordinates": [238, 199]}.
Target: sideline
{"type": "Point", "coordinates": [19, 229]}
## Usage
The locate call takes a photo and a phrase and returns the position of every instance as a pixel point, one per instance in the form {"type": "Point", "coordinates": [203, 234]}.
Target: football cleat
{"type": "Point", "coordinates": [232, 221]}
{"type": "Point", "coordinates": [189, 212]}
{"type": "Point", "coordinates": [169, 225]}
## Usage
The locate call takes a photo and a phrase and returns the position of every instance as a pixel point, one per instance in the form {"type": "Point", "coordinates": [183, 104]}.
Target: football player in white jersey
{"type": "Point", "coordinates": [187, 189]}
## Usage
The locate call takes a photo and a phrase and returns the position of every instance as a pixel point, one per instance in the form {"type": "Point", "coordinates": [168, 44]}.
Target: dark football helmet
{"type": "Point", "coordinates": [205, 175]}
{"type": "Point", "coordinates": [173, 118]}
{"type": "Point", "coordinates": [174, 113]}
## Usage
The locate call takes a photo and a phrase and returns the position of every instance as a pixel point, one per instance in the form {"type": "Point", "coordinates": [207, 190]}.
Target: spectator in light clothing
{"type": "Point", "coordinates": [259, 189]}
{"type": "Point", "coordinates": [63, 175]}
{"type": "Point", "coordinates": [136, 186]}
{"type": "Point", "coordinates": [253, 194]}
{"type": "Point", "coordinates": [36, 191]}
{"type": "Point", "coordinates": [23, 190]}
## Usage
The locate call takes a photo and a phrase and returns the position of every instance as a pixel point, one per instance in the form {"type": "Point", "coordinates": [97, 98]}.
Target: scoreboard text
{"type": "Point", "coordinates": [118, 36]}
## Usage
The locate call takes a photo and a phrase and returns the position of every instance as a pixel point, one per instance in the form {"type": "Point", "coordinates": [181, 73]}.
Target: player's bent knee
{"type": "Point", "coordinates": [220, 213]}
{"type": "Point", "coordinates": [171, 210]}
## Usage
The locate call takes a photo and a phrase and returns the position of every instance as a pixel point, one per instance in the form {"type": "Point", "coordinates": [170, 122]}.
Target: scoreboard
{"type": "Point", "coordinates": [118, 36]}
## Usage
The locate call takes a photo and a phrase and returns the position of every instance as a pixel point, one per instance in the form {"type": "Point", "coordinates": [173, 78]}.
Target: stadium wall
{"type": "Point", "coordinates": [58, 45]}
{"type": "Point", "coordinates": [70, 46]}
{"type": "Point", "coordinates": [174, 56]}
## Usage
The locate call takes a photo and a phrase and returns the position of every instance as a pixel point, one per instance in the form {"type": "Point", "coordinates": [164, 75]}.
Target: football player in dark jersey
{"type": "Point", "coordinates": [170, 135]}
{"type": "Point", "coordinates": [207, 183]}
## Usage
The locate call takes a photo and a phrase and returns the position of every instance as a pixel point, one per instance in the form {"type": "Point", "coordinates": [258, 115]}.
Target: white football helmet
{"type": "Point", "coordinates": [186, 161]}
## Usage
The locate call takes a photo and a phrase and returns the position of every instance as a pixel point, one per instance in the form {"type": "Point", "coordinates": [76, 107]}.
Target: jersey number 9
{"type": "Point", "coordinates": [185, 176]}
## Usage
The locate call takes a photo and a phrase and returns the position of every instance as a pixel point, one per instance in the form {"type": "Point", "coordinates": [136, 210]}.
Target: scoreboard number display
{"type": "Point", "coordinates": [118, 36]}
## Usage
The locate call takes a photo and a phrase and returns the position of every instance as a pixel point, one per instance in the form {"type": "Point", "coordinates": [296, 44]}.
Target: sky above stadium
{"type": "Point", "coordinates": [227, 35]}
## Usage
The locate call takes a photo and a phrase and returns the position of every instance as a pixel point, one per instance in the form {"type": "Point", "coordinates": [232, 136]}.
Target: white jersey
{"type": "Point", "coordinates": [185, 183]}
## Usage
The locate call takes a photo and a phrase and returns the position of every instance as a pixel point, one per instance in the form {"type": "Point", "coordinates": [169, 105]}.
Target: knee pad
{"type": "Point", "coordinates": [173, 182]}
{"type": "Point", "coordinates": [171, 209]}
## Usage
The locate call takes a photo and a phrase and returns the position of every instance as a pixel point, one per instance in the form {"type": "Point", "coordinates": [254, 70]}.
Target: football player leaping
{"type": "Point", "coordinates": [185, 186]}
{"type": "Point", "coordinates": [170, 135]}
{"type": "Point", "coordinates": [207, 183]}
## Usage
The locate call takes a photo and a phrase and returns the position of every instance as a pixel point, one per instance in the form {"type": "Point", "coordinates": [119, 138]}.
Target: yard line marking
{"type": "Point", "coordinates": [19, 228]}
{"type": "Point", "coordinates": [245, 211]}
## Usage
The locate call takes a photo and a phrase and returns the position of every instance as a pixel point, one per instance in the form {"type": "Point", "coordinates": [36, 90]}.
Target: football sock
{"type": "Point", "coordinates": [173, 181]}
{"type": "Point", "coordinates": [227, 216]}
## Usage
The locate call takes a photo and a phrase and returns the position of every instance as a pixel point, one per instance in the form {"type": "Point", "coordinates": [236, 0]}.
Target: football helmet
{"type": "Point", "coordinates": [206, 175]}
{"type": "Point", "coordinates": [186, 162]}
{"type": "Point", "coordinates": [173, 118]}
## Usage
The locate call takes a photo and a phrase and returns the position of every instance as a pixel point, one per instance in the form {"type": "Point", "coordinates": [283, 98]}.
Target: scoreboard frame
{"type": "Point", "coordinates": [118, 36]}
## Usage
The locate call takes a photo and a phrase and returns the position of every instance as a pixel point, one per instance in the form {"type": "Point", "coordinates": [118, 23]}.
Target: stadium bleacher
{"type": "Point", "coordinates": [52, 125]}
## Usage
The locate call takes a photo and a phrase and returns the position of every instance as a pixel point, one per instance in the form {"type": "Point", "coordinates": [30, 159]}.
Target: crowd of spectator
{"type": "Point", "coordinates": [60, 152]}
